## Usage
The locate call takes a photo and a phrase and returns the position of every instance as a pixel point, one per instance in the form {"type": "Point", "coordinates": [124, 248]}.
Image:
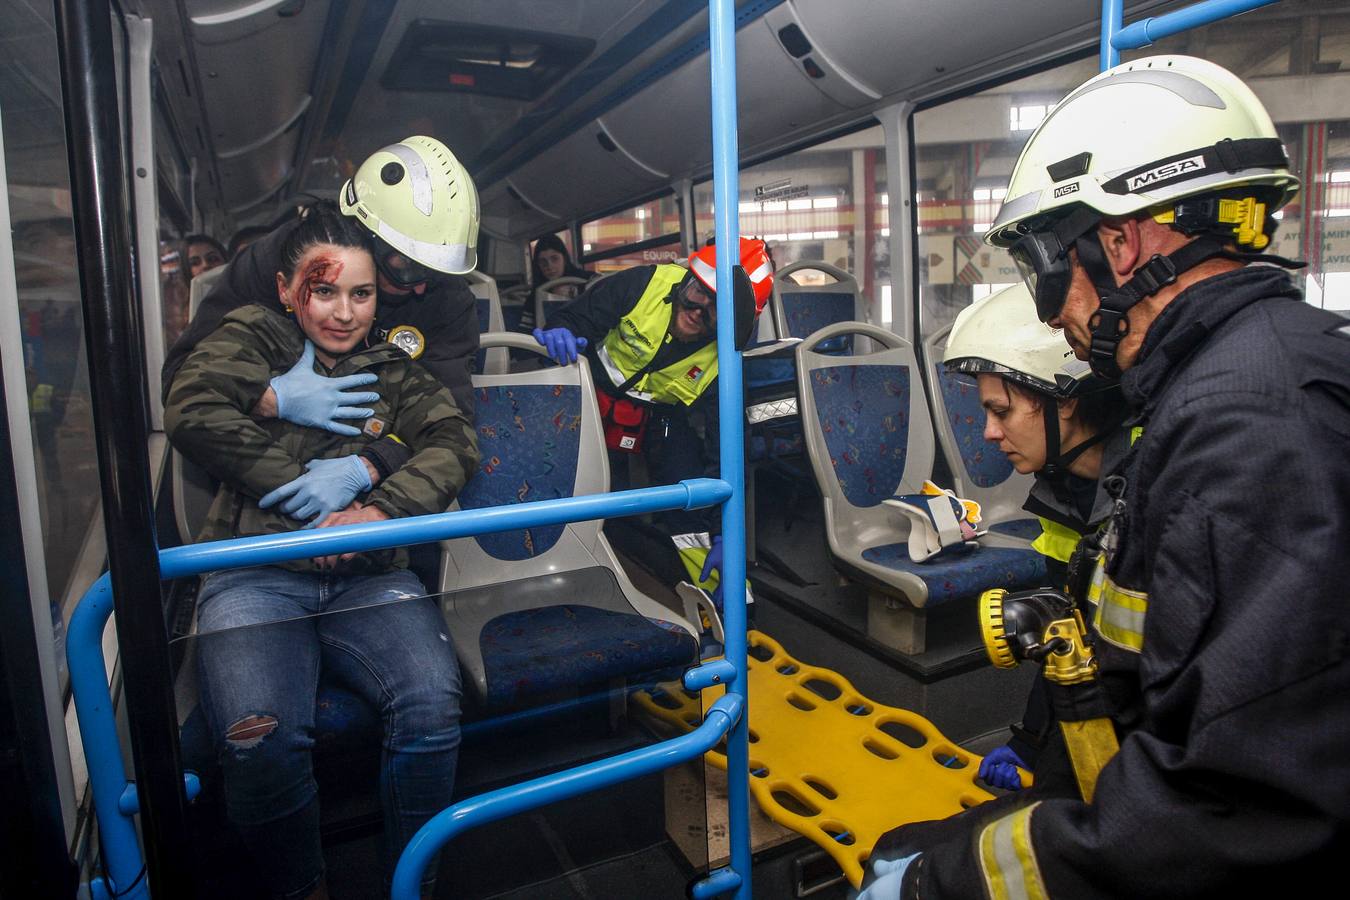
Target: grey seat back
{"type": "Point", "coordinates": [550, 294]}
{"type": "Point", "coordinates": [200, 287]}
{"type": "Point", "coordinates": [484, 287]}
{"type": "Point", "coordinates": [540, 438]}
{"type": "Point", "coordinates": [867, 433]}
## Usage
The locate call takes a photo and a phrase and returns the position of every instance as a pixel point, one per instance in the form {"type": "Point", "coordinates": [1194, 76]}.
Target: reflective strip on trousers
{"type": "Point", "coordinates": [1008, 861]}
{"type": "Point", "coordinates": [1120, 616]}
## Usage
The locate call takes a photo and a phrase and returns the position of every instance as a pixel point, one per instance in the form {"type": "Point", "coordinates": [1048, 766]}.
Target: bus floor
{"type": "Point", "coordinates": [612, 843]}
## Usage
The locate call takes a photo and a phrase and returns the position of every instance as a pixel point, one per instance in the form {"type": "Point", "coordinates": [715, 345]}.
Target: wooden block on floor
{"type": "Point", "coordinates": [893, 622]}
{"type": "Point", "coordinates": [696, 816]}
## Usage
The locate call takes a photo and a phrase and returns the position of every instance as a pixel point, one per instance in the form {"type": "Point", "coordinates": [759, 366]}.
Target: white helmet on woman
{"type": "Point", "coordinates": [1000, 335]}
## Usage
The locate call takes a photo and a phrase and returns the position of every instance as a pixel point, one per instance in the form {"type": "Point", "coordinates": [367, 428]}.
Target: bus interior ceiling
{"type": "Point", "coordinates": [590, 120]}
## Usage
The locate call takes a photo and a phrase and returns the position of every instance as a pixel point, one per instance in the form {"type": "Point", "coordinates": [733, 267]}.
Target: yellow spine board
{"type": "Point", "coordinates": [829, 763]}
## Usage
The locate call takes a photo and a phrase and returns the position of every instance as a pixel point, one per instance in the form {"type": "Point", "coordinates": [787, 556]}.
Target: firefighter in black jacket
{"type": "Point", "coordinates": [1138, 211]}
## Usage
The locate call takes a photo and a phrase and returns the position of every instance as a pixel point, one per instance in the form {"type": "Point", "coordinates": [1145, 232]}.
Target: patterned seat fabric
{"type": "Point", "coordinates": [534, 652]}
{"type": "Point", "coordinates": [864, 416]}
{"type": "Point", "coordinates": [1027, 529]}
{"type": "Point", "coordinates": [809, 311]}
{"type": "Point", "coordinates": [532, 640]}
{"type": "Point", "coordinates": [984, 463]}
{"type": "Point", "coordinates": [964, 573]}
{"type": "Point", "coordinates": [528, 438]}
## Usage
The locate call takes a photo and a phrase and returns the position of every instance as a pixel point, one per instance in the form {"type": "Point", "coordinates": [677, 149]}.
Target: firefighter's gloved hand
{"type": "Point", "coordinates": [307, 398]}
{"type": "Point", "coordinates": [999, 768]}
{"type": "Point", "coordinates": [712, 563]}
{"type": "Point", "coordinates": [886, 879]}
{"type": "Point", "coordinates": [561, 344]}
{"type": "Point", "coordinates": [328, 485]}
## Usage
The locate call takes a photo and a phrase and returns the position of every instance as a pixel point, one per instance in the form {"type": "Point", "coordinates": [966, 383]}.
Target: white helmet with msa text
{"type": "Point", "coordinates": [1173, 138]}
{"type": "Point", "coordinates": [1143, 134]}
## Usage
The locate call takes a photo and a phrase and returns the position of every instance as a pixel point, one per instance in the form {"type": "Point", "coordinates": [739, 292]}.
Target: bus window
{"type": "Point", "coordinates": [1287, 62]}
{"type": "Point", "coordinates": [826, 203]}
{"type": "Point", "coordinates": [964, 153]}
{"type": "Point", "coordinates": [50, 338]}
{"type": "Point", "coordinates": [655, 225]}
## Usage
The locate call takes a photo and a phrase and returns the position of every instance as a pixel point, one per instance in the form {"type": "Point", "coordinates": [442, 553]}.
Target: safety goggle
{"type": "Point", "coordinates": [1042, 258]}
{"type": "Point", "coordinates": [400, 269]}
{"type": "Point", "coordinates": [1044, 265]}
{"type": "Point", "coordinates": [707, 310]}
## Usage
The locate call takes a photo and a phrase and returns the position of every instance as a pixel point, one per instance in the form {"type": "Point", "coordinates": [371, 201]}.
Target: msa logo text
{"type": "Point", "coordinates": [1165, 171]}
{"type": "Point", "coordinates": [1066, 189]}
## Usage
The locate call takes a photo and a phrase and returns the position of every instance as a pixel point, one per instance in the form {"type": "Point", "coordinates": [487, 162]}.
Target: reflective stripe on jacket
{"type": "Point", "coordinates": [640, 334]}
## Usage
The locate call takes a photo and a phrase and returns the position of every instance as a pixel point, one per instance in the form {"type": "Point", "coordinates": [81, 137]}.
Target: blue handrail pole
{"type": "Point", "coordinates": [1113, 16]}
{"type": "Point", "coordinates": [84, 643]}
{"type": "Point", "coordinates": [731, 400]}
{"type": "Point", "coordinates": [1146, 31]}
{"type": "Point", "coordinates": [265, 550]}
{"type": "Point", "coordinates": [517, 798]}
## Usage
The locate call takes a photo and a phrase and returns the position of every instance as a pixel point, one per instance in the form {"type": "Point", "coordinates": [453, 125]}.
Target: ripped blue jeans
{"type": "Point", "coordinates": [264, 636]}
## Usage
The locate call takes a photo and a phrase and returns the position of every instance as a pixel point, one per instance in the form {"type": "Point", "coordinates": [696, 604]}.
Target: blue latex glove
{"type": "Point", "coordinates": [999, 769]}
{"type": "Point", "coordinates": [713, 563]}
{"type": "Point", "coordinates": [307, 398]}
{"type": "Point", "coordinates": [561, 344]}
{"type": "Point", "coordinates": [327, 486]}
{"type": "Point", "coordinates": [890, 878]}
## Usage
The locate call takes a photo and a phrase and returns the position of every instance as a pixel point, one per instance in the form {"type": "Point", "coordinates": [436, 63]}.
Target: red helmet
{"type": "Point", "coordinates": [755, 261]}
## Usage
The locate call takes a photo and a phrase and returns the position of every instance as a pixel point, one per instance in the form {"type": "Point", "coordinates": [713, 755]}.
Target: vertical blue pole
{"type": "Point", "coordinates": [726, 153]}
{"type": "Point", "coordinates": [1113, 17]}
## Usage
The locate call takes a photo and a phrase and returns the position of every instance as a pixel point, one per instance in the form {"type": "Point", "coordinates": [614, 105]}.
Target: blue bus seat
{"type": "Point", "coordinates": [550, 296]}
{"type": "Point", "coordinates": [981, 472]}
{"type": "Point", "coordinates": [490, 319]}
{"type": "Point", "coordinates": [545, 609]}
{"type": "Point", "coordinates": [801, 309]}
{"type": "Point", "coordinates": [868, 436]}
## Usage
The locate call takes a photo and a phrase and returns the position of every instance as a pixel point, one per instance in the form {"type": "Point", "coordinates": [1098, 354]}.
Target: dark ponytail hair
{"type": "Point", "coordinates": [323, 223]}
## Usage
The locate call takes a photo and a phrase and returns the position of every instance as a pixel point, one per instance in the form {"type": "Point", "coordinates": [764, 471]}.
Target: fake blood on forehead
{"type": "Point", "coordinates": [320, 270]}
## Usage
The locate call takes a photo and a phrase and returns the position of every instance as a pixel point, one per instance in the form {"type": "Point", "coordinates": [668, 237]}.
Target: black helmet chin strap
{"type": "Point", "coordinates": [1056, 463]}
{"type": "Point", "coordinates": [1110, 324]}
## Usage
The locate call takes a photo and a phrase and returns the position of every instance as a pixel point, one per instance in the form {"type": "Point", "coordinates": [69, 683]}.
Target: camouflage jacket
{"type": "Point", "coordinates": [208, 420]}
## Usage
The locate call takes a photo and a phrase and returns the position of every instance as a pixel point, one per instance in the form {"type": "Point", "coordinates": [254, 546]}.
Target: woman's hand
{"type": "Point", "coordinates": [356, 514]}
{"type": "Point", "coordinates": [326, 488]}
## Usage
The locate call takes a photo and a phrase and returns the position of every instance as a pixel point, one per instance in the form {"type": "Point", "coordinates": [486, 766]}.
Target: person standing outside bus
{"type": "Point", "coordinates": [1138, 212]}
{"type": "Point", "coordinates": [650, 334]}
{"type": "Point", "coordinates": [421, 207]}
